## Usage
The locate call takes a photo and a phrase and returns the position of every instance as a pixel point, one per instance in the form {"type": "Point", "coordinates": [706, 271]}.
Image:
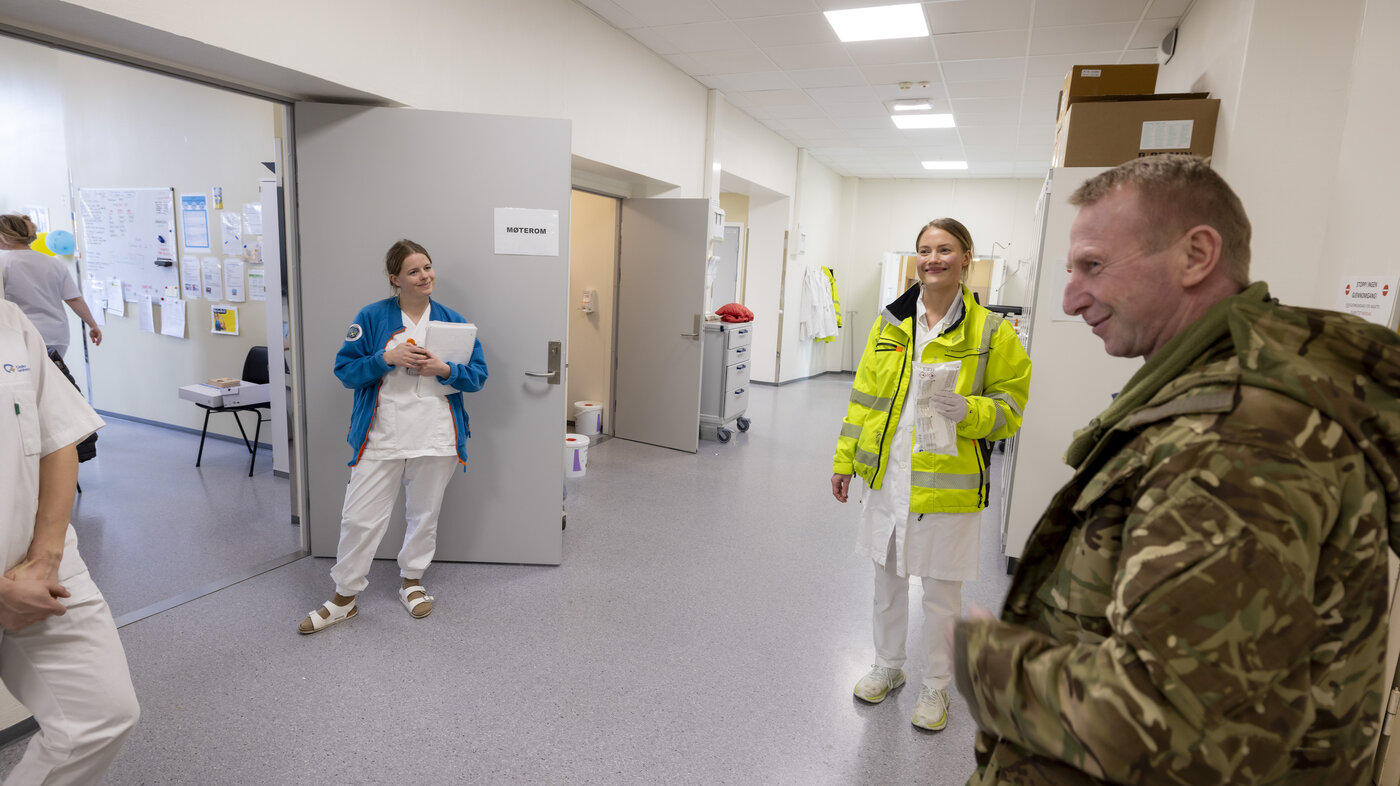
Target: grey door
{"type": "Point", "coordinates": [660, 304]}
{"type": "Point", "coordinates": [369, 176]}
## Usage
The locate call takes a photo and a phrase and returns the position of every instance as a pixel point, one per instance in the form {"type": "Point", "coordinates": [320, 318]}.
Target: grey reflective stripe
{"type": "Point", "coordinates": [945, 480]}
{"type": "Point", "coordinates": [867, 458]}
{"type": "Point", "coordinates": [989, 326]}
{"type": "Point", "coordinates": [891, 318]}
{"type": "Point", "coordinates": [878, 403]}
{"type": "Point", "coordinates": [1006, 399]}
{"type": "Point", "coordinates": [850, 430]}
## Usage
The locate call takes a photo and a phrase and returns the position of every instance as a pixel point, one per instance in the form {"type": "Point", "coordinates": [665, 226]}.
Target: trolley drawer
{"type": "Point", "coordinates": [737, 375]}
{"type": "Point", "coordinates": [734, 404]}
{"type": "Point", "coordinates": [737, 355]}
{"type": "Point", "coordinates": [738, 337]}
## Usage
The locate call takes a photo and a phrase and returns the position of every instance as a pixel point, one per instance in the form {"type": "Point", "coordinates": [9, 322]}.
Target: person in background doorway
{"type": "Point", "coordinates": [398, 437]}
{"type": "Point", "coordinates": [40, 285]}
{"type": "Point", "coordinates": [1205, 600]}
{"type": "Point", "coordinates": [940, 379]}
{"type": "Point", "coordinates": [59, 651]}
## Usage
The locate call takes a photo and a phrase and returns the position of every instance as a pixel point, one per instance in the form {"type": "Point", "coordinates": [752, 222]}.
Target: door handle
{"type": "Point", "coordinates": [696, 334]}
{"type": "Point", "coordinates": [556, 354]}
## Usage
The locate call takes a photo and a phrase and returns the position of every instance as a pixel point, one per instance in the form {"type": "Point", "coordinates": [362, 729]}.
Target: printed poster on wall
{"type": "Point", "coordinates": [233, 279]}
{"type": "Point", "coordinates": [527, 232]}
{"type": "Point", "coordinates": [213, 276]}
{"type": "Point", "coordinates": [190, 275]}
{"type": "Point", "coordinates": [223, 320]}
{"type": "Point", "coordinates": [1370, 297]}
{"type": "Point", "coordinates": [194, 218]}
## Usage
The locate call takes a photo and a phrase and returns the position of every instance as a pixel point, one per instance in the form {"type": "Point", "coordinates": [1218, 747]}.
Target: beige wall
{"type": "Point", "coordinates": [592, 265]}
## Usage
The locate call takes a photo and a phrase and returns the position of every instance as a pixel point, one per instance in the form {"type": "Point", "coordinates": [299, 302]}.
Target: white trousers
{"type": "Point", "coordinates": [70, 672]}
{"type": "Point", "coordinates": [942, 603]}
{"type": "Point", "coordinates": [369, 502]}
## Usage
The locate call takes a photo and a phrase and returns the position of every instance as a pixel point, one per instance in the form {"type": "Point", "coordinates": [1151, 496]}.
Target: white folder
{"type": "Point", "coordinates": [451, 341]}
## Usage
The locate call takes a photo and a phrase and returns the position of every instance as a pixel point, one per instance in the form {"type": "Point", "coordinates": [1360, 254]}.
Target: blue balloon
{"type": "Point", "coordinates": [60, 242]}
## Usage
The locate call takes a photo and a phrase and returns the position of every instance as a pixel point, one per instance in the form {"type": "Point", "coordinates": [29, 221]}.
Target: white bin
{"type": "Point", "coordinates": [575, 455]}
{"type": "Point", "coordinates": [588, 417]}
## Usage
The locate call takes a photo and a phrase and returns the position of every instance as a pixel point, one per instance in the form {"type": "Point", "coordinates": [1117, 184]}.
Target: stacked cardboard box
{"type": "Point", "coordinates": [1109, 115]}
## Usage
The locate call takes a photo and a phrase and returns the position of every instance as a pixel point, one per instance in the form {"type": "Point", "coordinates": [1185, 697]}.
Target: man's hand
{"type": "Point", "coordinates": [840, 486]}
{"type": "Point", "coordinates": [24, 602]}
{"type": "Point", "coordinates": [95, 333]}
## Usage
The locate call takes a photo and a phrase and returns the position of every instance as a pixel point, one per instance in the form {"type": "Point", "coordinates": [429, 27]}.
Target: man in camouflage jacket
{"type": "Point", "coordinates": [1205, 601]}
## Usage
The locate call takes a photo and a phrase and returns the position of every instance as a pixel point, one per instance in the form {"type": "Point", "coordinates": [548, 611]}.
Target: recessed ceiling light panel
{"type": "Point", "coordinates": [879, 23]}
{"type": "Point", "coordinates": [922, 121]}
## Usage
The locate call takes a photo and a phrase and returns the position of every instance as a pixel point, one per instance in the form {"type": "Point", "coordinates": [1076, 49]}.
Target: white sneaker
{"type": "Point", "coordinates": [932, 710]}
{"type": "Point", "coordinates": [875, 686]}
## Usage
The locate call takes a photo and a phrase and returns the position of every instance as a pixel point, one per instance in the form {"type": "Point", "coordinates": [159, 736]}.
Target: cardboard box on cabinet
{"type": "Point", "coordinates": [1111, 132]}
{"type": "Point", "coordinates": [1087, 81]}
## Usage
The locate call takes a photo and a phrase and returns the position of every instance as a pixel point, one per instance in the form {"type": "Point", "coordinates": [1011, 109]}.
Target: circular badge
{"type": "Point", "coordinates": [354, 333]}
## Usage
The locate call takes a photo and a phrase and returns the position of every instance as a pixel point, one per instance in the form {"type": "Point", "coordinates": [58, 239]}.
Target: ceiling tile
{"type": "Point", "coordinates": [1145, 55]}
{"type": "Point", "coordinates": [807, 56]}
{"type": "Point", "coordinates": [742, 9]}
{"type": "Point", "coordinates": [789, 30]}
{"type": "Point", "coordinates": [827, 77]}
{"type": "Point", "coordinates": [1150, 33]}
{"type": "Point", "coordinates": [976, 16]}
{"type": "Point", "coordinates": [931, 136]}
{"type": "Point", "coordinates": [842, 95]}
{"type": "Point", "coordinates": [1058, 66]}
{"type": "Point", "coordinates": [1001, 88]}
{"type": "Point", "coordinates": [653, 13]}
{"type": "Point", "coordinates": [612, 13]}
{"type": "Point", "coordinates": [778, 97]}
{"type": "Point", "coordinates": [786, 112]}
{"type": "Point", "coordinates": [859, 109]}
{"type": "Point", "coordinates": [902, 50]}
{"type": "Point", "coordinates": [736, 61]}
{"type": "Point", "coordinates": [1009, 108]}
{"type": "Point", "coordinates": [763, 80]}
{"type": "Point", "coordinates": [936, 93]}
{"type": "Point", "coordinates": [1056, 13]}
{"type": "Point", "coordinates": [903, 72]}
{"type": "Point", "coordinates": [981, 70]}
{"type": "Point", "coordinates": [1080, 38]}
{"type": "Point", "coordinates": [972, 46]}
{"type": "Point", "coordinates": [685, 63]}
{"type": "Point", "coordinates": [703, 36]}
{"type": "Point", "coordinates": [1168, 9]}
{"type": "Point", "coordinates": [862, 122]}
{"type": "Point", "coordinates": [653, 39]}
{"type": "Point", "coordinates": [981, 137]}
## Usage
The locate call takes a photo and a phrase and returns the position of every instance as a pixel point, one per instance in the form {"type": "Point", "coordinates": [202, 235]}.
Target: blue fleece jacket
{"type": "Point", "coordinates": [360, 365]}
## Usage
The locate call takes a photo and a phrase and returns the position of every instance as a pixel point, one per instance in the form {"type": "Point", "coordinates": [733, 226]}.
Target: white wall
{"type": "Point", "coordinates": [113, 126]}
{"type": "Point", "coordinates": [536, 58]}
{"type": "Point", "coordinates": [819, 218]}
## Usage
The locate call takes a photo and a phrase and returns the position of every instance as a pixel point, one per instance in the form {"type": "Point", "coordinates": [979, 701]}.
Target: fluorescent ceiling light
{"type": "Point", "coordinates": [879, 23]}
{"type": "Point", "coordinates": [912, 105]}
{"type": "Point", "coordinates": [945, 165]}
{"type": "Point", "coordinates": [923, 121]}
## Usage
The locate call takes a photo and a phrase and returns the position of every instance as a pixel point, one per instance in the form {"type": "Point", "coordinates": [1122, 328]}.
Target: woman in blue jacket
{"type": "Point", "coordinates": [398, 437]}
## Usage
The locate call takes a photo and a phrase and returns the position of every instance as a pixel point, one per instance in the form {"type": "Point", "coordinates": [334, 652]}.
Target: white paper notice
{"type": "Point", "coordinates": [231, 225]}
{"type": "Point", "coordinates": [213, 278]}
{"type": "Point", "coordinates": [1370, 297]}
{"type": "Point", "coordinates": [1166, 135]}
{"type": "Point", "coordinates": [194, 217]}
{"type": "Point", "coordinates": [116, 302]}
{"type": "Point", "coordinates": [147, 312]}
{"type": "Point", "coordinates": [95, 294]}
{"type": "Point", "coordinates": [257, 284]}
{"type": "Point", "coordinates": [252, 218]}
{"type": "Point", "coordinates": [189, 275]}
{"type": "Point", "coordinates": [172, 316]}
{"type": "Point", "coordinates": [527, 232]}
{"type": "Point", "coordinates": [233, 279]}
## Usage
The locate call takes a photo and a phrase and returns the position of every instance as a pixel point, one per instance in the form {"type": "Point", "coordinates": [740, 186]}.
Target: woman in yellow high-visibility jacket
{"type": "Point", "coordinates": [922, 515]}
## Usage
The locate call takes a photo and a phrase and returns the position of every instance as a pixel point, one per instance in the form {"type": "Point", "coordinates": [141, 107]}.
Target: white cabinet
{"type": "Point", "coordinates": [1072, 378]}
{"type": "Point", "coordinates": [724, 378]}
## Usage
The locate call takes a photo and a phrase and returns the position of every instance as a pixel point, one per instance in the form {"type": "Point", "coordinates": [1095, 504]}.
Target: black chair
{"type": "Point", "coordinates": [254, 370]}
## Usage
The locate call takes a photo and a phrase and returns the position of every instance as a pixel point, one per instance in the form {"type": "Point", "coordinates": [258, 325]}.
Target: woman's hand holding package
{"type": "Point", "coordinates": [406, 356]}
{"type": "Point", "coordinates": [949, 404]}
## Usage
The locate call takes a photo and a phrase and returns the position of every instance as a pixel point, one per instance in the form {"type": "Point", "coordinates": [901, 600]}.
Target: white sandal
{"type": "Point", "coordinates": [404, 592]}
{"type": "Point", "coordinates": [337, 614]}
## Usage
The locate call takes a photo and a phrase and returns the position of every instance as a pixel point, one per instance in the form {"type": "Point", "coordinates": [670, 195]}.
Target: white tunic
{"type": "Point", "coordinates": [406, 425]}
{"type": "Point", "coordinates": [40, 412]}
{"type": "Point", "coordinates": [39, 285]}
{"type": "Point", "coordinates": [939, 545]}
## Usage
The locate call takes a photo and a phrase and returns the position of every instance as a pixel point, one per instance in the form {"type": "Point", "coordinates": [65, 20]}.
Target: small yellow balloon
{"type": "Point", "coordinates": [41, 245]}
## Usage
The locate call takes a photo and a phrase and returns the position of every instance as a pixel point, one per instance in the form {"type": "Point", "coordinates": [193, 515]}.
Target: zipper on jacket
{"type": "Point", "coordinates": [907, 364]}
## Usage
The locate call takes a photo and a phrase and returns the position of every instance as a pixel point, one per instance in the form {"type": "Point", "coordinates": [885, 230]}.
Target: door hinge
{"type": "Point", "coordinates": [1391, 707]}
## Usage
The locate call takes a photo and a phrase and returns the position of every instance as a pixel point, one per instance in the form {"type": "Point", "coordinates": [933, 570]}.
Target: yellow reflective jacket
{"type": "Point", "coordinates": [995, 377]}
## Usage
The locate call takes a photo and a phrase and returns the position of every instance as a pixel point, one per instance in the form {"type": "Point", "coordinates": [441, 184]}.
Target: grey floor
{"type": "Point", "coordinates": [706, 627]}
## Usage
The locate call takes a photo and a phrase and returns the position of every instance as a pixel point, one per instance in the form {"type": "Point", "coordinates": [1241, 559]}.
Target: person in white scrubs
{"type": "Point", "coordinates": [940, 379]}
{"type": "Point", "coordinates": [59, 651]}
{"type": "Point", "coordinates": [399, 435]}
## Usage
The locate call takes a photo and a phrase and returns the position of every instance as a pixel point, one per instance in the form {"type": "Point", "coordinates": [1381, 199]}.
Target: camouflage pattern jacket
{"type": "Point", "coordinates": [1205, 601]}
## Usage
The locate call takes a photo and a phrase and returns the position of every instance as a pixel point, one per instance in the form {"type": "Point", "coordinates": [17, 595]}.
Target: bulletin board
{"type": "Point", "coordinates": [129, 234]}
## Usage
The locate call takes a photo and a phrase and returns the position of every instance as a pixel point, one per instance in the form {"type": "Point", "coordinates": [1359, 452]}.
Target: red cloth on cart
{"type": "Point", "coordinates": [734, 312]}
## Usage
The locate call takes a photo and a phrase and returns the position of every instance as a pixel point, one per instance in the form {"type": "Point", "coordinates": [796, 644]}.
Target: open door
{"type": "Point", "coordinates": [367, 177]}
{"type": "Point", "coordinates": [660, 305]}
